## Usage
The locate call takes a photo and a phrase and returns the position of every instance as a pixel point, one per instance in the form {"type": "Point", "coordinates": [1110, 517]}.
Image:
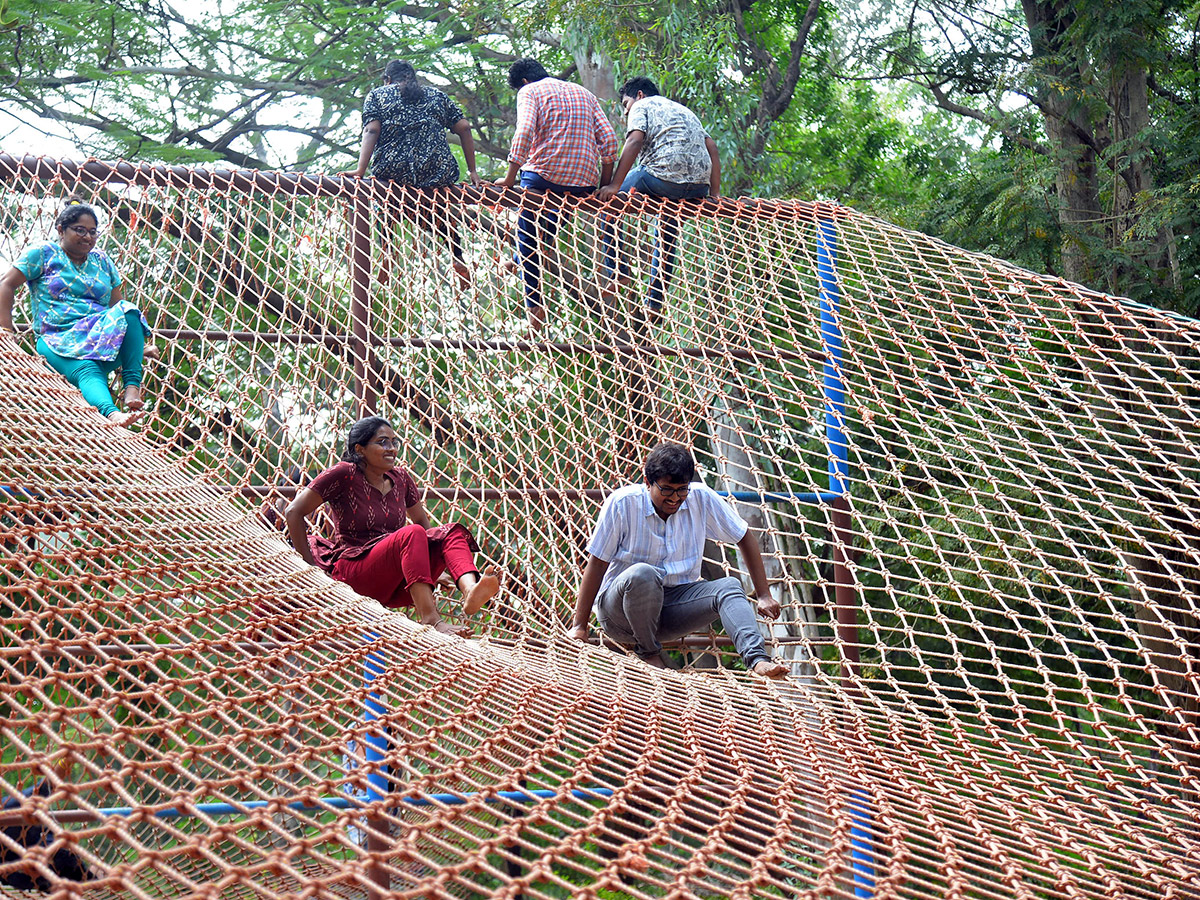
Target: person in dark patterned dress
{"type": "Point", "coordinates": [374, 551]}
{"type": "Point", "coordinates": [404, 141]}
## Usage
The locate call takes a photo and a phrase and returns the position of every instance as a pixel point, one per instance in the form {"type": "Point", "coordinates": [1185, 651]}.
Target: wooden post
{"type": "Point", "coordinates": [845, 595]}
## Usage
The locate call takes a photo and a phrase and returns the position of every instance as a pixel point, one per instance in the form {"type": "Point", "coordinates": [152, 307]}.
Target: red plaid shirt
{"type": "Point", "coordinates": [562, 133]}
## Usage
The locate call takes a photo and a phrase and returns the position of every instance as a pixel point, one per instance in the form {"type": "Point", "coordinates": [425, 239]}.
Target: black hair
{"type": "Point", "coordinates": [523, 70]}
{"type": "Point", "coordinates": [640, 83]}
{"type": "Point", "coordinates": [402, 73]}
{"type": "Point", "coordinates": [73, 211]}
{"type": "Point", "coordinates": [672, 463]}
{"type": "Point", "coordinates": [361, 432]}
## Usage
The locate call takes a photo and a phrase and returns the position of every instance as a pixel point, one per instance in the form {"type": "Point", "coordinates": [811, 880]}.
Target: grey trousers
{"type": "Point", "coordinates": [636, 610]}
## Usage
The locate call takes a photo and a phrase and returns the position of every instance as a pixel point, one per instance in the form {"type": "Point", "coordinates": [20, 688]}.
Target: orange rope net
{"type": "Point", "coordinates": [992, 614]}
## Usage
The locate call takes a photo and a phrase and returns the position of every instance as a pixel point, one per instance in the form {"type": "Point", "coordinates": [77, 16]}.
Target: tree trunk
{"type": "Point", "coordinates": [1096, 117]}
{"type": "Point", "coordinates": [596, 72]}
{"type": "Point", "coordinates": [1166, 586]}
{"type": "Point", "coordinates": [1072, 138]}
{"type": "Point", "coordinates": [1129, 99]}
{"type": "Point", "coordinates": [1166, 580]}
{"type": "Point", "coordinates": [1163, 575]}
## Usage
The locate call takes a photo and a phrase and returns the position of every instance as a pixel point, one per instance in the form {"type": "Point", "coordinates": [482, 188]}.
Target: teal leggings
{"type": "Point", "coordinates": [91, 375]}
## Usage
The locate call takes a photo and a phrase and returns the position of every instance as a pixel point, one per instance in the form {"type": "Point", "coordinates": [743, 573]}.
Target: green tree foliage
{"type": "Point", "coordinates": [266, 83]}
{"type": "Point", "coordinates": [255, 83]}
{"type": "Point", "coordinates": [1090, 106]}
{"type": "Point", "coordinates": [261, 83]}
{"type": "Point", "coordinates": [1061, 134]}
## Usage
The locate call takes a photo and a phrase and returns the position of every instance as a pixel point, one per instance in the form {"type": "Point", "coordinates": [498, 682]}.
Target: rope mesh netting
{"type": "Point", "coordinates": [976, 490]}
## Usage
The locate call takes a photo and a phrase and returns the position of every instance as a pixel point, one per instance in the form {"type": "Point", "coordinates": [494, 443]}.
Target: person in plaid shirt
{"type": "Point", "coordinates": [564, 144]}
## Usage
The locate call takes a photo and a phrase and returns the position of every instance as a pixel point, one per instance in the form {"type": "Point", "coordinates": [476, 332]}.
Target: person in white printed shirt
{"type": "Point", "coordinates": [677, 160]}
{"type": "Point", "coordinates": [643, 567]}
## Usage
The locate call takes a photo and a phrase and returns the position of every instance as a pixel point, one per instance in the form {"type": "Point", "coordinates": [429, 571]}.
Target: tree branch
{"type": "Point", "coordinates": [993, 122]}
{"type": "Point", "coordinates": [112, 126]}
{"type": "Point", "coordinates": [785, 91]}
{"type": "Point", "coordinates": [777, 89]}
{"type": "Point", "coordinates": [1165, 93]}
{"type": "Point", "coordinates": [299, 86]}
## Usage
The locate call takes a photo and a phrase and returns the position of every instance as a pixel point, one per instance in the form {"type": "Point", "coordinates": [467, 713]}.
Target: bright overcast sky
{"type": "Point", "coordinates": [20, 139]}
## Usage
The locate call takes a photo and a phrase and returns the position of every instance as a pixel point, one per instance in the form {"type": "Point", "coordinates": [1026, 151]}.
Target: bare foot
{"type": "Point", "coordinates": [463, 273]}
{"type": "Point", "coordinates": [123, 419]}
{"type": "Point", "coordinates": [537, 319]}
{"type": "Point", "coordinates": [509, 265]}
{"type": "Point", "coordinates": [448, 628]}
{"type": "Point", "coordinates": [618, 285]}
{"type": "Point", "coordinates": [152, 351]}
{"type": "Point", "coordinates": [770, 668]}
{"type": "Point", "coordinates": [478, 595]}
{"type": "Point", "coordinates": [133, 397]}
{"type": "Point", "coordinates": [608, 299]}
{"type": "Point", "coordinates": [656, 661]}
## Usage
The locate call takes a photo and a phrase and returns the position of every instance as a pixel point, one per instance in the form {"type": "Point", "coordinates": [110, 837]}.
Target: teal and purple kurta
{"type": "Point", "coordinates": [71, 310]}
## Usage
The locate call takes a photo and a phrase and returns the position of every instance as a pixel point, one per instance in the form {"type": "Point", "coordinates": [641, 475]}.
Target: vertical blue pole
{"type": "Point", "coordinates": [375, 738]}
{"type": "Point", "coordinates": [861, 860]}
{"type": "Point", "coordinates": [838, 448]}
{"type": "Point", "coordinates": [374, 744]}
{"type": "Point", "coordinates": [831, 336]}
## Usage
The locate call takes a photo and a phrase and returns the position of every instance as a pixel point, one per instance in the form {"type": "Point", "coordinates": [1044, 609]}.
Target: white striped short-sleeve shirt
{"type": "Point", "coordinates": [629, 531]}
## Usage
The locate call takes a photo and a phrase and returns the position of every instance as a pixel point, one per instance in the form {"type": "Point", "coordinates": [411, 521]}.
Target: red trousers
{"type": "Point", "coordinates": [404, 558]}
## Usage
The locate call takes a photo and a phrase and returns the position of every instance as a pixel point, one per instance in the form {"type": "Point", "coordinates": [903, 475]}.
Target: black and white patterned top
{"type": "Point", "coordinates": [674, 150]}
{"type": "Point", "coordinates": [412, 147]}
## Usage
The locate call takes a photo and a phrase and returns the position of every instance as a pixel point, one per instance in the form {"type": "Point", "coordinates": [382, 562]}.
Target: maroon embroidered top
{"type": "Point", "coordinates": [362, 515]}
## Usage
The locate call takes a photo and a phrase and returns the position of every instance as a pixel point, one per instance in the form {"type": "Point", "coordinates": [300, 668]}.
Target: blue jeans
{"type": "Point", "coordinates": [91, 375]}
{"type": "Point", "coordinates": [663, 265]}
{"type": "Point", "coordinates": [536, 227]}
{"type": "Point", "coordinates": [635, 609]}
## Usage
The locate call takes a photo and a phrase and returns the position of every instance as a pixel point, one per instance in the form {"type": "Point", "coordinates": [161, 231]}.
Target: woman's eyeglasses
{"type": "Point", "coordinates": [83, 232]}
{"type": "Point", "coordinates": [386, 443]}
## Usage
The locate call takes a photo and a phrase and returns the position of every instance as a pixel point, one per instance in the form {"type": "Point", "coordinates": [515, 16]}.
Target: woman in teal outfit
{"type": "Point", "coordinates": [86, 329]}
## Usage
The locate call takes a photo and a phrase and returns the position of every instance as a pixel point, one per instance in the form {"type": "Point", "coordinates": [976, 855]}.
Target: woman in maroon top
{"type": "Point", "coordinates": [375, 552]}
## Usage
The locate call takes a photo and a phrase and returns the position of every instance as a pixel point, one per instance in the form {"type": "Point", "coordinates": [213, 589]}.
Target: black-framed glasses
{"type": "Point", "coordinates": [387, 443]}
{"type": "Point", "coordinates": [673, 491]}
{"type": "Point", "coordinates": [83, 232]}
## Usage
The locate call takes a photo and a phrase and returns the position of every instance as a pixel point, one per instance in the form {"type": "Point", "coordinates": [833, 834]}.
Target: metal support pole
{"type": "Point", "coordinates": [374, 744]}
{"type": "Point", "coordinates": [512, 868]}
{"type": "Point", "coordinates": [845, 595]}
{"type": "Point", "coordinates": [365, 395]}
{"type": "Point", "coordinates": [838, 445]}
{"type": "Point", "coordinates": [862, 859]}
